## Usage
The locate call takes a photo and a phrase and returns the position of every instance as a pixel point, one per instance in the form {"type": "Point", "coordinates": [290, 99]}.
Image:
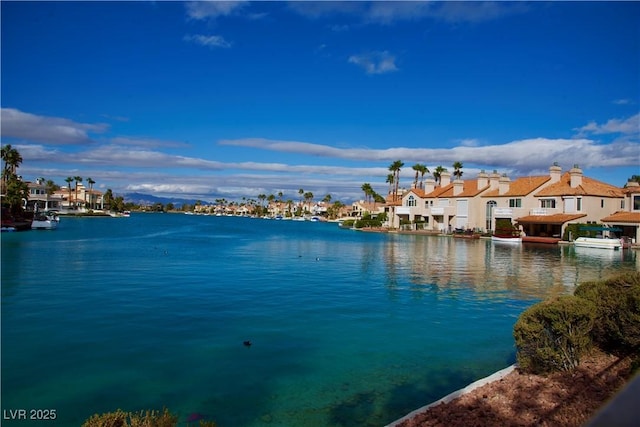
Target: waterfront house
{"type": "Point", "coordinates": [38, 195]}
{"type": "Point", "coordinates": [442, 208]}
{"type": "Point", "coordinates": [540, 205]}
{"type": "Point", "coordinates": [512, 200]}
{"type": "Point", "coordinates": [628, 217]}
{"type": "Point", "coordinates": [571, 198]}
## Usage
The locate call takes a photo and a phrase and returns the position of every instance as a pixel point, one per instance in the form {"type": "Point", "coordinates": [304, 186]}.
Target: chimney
{"type": "Point", "coordinates": [576, 176]}
{"type": "Point", "coordinates": [493, 179]}
{"type": "Point", "coordinates": [445, 179]}
{"type": "Point", "coordinates": [458, 186]}
{"type": "Point", "coordinates": [429, 185]}
{"type": "Point", "coordinates": [555, 172]}
{"type": "Point", "coordinates": [632, 184]}
{"type": "Point", "coordinates": [503, 184]}
{"type": "Point", "coordinates": [483, 179]}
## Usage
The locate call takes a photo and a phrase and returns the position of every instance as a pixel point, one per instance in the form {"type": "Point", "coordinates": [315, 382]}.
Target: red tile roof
{"type": "Point", "coordinates": [549, 219]}
{"type": "Point", "coordinates": [623, 216]}
{"type": "Point", "coordinates": [469, 189]}
{"type": "Point", "coordinates": [520, 186]}
{"type": "Point", "coordinates": [589, 187]}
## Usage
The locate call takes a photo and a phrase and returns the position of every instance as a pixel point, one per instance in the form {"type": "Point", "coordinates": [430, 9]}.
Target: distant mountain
{"type": "Point", "coordinates": [148, 199]}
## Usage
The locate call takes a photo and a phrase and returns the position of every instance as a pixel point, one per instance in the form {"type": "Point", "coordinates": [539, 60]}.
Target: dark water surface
{"type": "Point", "coordinates": [347, 328]}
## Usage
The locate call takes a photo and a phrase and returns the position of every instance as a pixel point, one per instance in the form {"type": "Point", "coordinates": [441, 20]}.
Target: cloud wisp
{"type": "Point", "coordinates": [51, 130]}
{"type": "Point", "coordinates": [626, 126]}
{"type": "Point", "coordinates": [375, 62]}
{"type": "Point", "coordinates": [211, 41]}
{"type": "Point", "coordinates": [200, 10]}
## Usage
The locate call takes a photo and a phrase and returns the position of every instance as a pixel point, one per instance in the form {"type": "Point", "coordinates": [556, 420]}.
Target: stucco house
{"type": "Point", "coordinates": [540, 205]}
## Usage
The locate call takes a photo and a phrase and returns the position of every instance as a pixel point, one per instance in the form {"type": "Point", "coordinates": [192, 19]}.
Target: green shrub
{"type": "Point", "coordinates": [553, 335]}
{"type": "Point", "coordinates": [120, 418]}
{"type": "Point", "coordinates": [617, 300]}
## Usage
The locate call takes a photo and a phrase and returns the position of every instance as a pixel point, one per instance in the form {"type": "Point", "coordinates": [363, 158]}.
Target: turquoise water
{"type": "Point", "coordinates": [347, 328]}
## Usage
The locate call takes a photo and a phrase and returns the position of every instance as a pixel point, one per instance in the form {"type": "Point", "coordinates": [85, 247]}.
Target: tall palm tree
{"type": "Point", "coordinates": [417, 167]}
{"type": "Point", "coordinates": [437, 173]}
{"type": "Point", "coordinates": [69, 180]}
{"type": "Point", "coordinates": [12, 159]}
{"type": "Point", "coordinates": [395, 168]}
{"type": "Point", "coordinates": [366, 187]}
{"type": "Point", "coordinates": [457, 170]}
{"type": "Point", "coordinates": [390, 180]}
{"type": "Point", "coordinates": [423, 170]}
{"type": "Point", "coordinates": [90, 182]}
{"type": "Point", "coordinates": [77, 179]}
{"type": "Point", "coordinates": [308, 198]}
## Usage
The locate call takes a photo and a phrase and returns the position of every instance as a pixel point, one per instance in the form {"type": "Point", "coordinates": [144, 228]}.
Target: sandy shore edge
{"type": "Point", "coordinates": [452, 396]}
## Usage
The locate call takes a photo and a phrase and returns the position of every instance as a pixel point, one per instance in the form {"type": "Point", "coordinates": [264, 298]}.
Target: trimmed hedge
{"type": "Point", "coordinates": [617, 302]}
{"type": "Point", "coordinates": [553, 335]}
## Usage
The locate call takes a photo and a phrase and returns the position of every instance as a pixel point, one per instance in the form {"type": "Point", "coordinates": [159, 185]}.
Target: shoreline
{"type": "Point", "coordinates": [456, 394]}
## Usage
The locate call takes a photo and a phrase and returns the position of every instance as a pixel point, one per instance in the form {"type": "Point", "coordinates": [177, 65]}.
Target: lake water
{"type": "Point", "coordinates": [347, 328]}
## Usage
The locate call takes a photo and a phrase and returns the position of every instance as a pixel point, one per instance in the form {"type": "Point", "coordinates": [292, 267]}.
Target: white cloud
{"type": "Point", "coordinates": [523, 156]}
{"type": "Point", "coordinates": [621, 101]}
{"type": "Point", "coordinates": [375, 62]}
{"type": "Point", "coordinates": [626, 126]}
{"type": "Point", "coordinates": [208, 41]}
{"type": "Point", "coordinates": [52, 130]}
{"type": "Point", "coordinates": [200, 10]}
{"type": "Point", "coordinates": [390, 12]}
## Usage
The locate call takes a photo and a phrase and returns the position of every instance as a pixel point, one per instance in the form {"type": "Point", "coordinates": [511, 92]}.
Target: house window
{"type": "Point", "coordinates": [411, 201]}
{"type": "Point", "coordinates": [636, 202]}
{"type": "Point", "coordinates": [515, 203]}
{"type": "Point", "coordinates": [622, 204]}
{"type": "Point", "coordinates": [578, 204]}
{"type": "Point", "coordinates": [602, 203]}
{"type": "Point", "coordinates": [548, 203]}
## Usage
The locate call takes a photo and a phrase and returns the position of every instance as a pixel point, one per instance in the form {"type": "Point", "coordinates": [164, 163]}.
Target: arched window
{"type": "Point", "coordinates": [411, 201]}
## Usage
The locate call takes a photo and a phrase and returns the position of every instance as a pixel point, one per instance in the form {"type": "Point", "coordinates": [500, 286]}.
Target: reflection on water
{"type": "Point", "coordinates": [348, 328]}
{"type": "Point", "coordinates": [527, 270]}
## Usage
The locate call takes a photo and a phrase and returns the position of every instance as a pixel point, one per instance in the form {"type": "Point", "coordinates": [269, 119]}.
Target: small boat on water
{"type": "Point", "coordinates": [506, 239]}
{"type": "Point", "coordinates": [45, 221]}
{"type": "Point", "coordinates": [598, 242]}
{"type": "Point", "coordinates": [506, 235]}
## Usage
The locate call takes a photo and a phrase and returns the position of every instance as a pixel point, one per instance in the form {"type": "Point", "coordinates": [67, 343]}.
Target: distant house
{"type": "Point", "coordinates": [39, 196]}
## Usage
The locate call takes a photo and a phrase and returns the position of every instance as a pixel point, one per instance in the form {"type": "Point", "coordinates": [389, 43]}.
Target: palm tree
{"type": "Point", "coordinates": [437, 173]}
{"type": "Point", "coordinates": [12, 160]}
{"type": "Point", "coordinates": [423, 170]}
{"type": "Point", "coordinates": [368, 191]}
{"type": "Point", "coordinates": [107, 199]}
{"type": "Point", "coordinates": [417, 167]}
{"type": "Point", "coordinates": [69, 180]}
{"type": "Point", "coordinates": [390, 180]}
{"type": "Point", "coordinates": [395, 168]}
{"type": "Point", "coordinates": [308, 198]}
{"type": "Point", "coordinates": [90, 182]}
{"type": "Point", "coordinates": [457, 170]}
{"type": "Point", "coordinates": [77, 179]}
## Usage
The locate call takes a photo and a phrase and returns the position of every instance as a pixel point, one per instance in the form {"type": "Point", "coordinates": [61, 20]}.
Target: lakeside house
{"type": "Point", "coordinates": [539, 205]}
{"type": "Point", "coordinates": [66, 200]}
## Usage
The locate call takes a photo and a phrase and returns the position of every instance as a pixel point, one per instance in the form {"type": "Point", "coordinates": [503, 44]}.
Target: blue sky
{"type": "Point", "coordinates": [234, 99]}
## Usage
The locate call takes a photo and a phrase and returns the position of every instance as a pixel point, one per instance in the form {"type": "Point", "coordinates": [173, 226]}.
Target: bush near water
{"type": "Point", "coordinates": [121, 418]}
{"type": "Point", "coordinates": [554, 335]}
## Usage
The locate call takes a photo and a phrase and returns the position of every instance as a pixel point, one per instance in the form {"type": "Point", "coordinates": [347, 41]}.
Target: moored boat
{"type": "Point", "coordinates": [45, 221]}
{"type": "Point", "coordinates": [506, 239]}
{"type": "Point", "coordinates": [598, 242]}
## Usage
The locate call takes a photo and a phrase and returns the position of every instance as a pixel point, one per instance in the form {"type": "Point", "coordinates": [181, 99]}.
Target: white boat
{"type": "Point", "coordinates": [506, 239]}
{"type": "Point", "coordinates": [598, 242]}
{"type": "Point", "coordinates": [45, 221]}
